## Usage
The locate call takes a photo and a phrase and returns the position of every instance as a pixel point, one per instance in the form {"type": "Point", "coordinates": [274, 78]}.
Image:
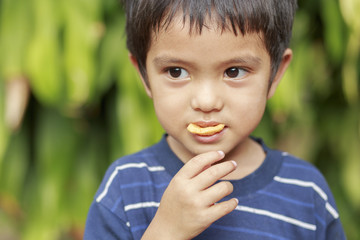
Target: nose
{"type": "Point", "coordinates": [207, 97]}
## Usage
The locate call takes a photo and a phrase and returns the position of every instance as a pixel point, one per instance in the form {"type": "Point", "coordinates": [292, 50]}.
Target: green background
{"type": "Point", "coordinates": [70, 104]}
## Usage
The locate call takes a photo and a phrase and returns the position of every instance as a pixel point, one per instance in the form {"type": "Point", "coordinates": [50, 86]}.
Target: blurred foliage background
{"type": "Point", "coordinates": [70, 104]}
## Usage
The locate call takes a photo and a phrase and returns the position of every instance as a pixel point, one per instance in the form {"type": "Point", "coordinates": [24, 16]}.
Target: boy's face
{"type": "Point", "coordinates": [208, 78]}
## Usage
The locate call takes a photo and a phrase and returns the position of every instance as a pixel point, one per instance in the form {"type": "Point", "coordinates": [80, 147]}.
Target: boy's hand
{"type": "Point", "coordinates": [188, 206]}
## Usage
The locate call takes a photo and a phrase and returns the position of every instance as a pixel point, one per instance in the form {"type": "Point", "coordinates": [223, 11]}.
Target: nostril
{"type": "Point", "coordinates": [207, 103]}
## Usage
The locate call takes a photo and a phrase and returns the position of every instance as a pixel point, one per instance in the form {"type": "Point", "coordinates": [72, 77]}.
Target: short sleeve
{"type": "Point", "coordinates": [101, 223]}
{"type": "Point", "coordinates": [335, 231]}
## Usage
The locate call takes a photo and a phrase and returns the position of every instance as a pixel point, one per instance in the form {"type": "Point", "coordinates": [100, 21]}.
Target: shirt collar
{"type": "Point", "coordinates": [257, 180]}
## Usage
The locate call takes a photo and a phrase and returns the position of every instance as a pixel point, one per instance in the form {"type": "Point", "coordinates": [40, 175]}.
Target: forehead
{"type": "Point", "coordinates": [180, 38]}
{"type": "Point", "coordinates": [180, 23]}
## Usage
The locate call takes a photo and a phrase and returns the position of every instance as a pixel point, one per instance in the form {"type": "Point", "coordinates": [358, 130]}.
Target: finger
{"type": "Point", "coordinates": [214, 173]}
{"type": "Point", "coordinates": [200, 162]}
{"type": "Point", "coordinates": [221, 209]}
{"type": "Point", "coordinates": [217, 192]}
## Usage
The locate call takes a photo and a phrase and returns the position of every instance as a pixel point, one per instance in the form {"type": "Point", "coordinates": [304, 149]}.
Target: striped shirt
{"type": "Point", "coordinates": [285, 198]}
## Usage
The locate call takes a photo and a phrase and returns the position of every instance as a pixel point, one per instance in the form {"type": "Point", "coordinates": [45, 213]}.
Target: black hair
{"type": "Point", "coordinates": [272, 18]}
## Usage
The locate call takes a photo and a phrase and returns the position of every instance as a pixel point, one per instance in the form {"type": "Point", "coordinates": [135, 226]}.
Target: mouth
{"type": "Point", "coordinates": [205, 128]}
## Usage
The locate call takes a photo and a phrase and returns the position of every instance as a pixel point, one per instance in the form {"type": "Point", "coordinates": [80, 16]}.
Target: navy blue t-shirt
{"type": "Point", "coordinates": [285, 198]}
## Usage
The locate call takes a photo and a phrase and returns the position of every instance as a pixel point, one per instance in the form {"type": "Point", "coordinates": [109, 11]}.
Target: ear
{"type": "Point", "coordinates": [144, 83]}
{"type": "Point", "coordinates": [286, 59]}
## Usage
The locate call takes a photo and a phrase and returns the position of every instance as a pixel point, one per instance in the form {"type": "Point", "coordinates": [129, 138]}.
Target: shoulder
{"type": "Point", "coordinates": [143, 161]}
{"type": "Point", "coordinates": [127, 183]}
{"type": "Point", "coordinates": [296, 168]}
{"type": "Point", "coordinates": [307, 182]}
{"type": "Point", "coordinates": [305, 179]}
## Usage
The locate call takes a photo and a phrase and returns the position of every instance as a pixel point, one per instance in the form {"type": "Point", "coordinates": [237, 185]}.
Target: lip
{"type": "Point", "coordinates": [205, 124]}
{"type": "Point", "coordinates": [210, 138]}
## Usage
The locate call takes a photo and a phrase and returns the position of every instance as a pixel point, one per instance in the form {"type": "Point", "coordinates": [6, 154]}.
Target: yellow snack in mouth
{"type": "Point", "coordinates": [205, 131]}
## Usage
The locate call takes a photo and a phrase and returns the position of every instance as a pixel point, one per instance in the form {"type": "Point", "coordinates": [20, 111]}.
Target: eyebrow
{"type": "Point", "coordinates": [247, 59]}
{"type": "Point", "coordinates": [244, 60]}
{"type": "Point", "coordinates": [166, 60]}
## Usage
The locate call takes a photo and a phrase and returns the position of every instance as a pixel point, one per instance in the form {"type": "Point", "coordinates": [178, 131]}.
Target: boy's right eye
{"type": "Point", "coordinates": [177, 73]}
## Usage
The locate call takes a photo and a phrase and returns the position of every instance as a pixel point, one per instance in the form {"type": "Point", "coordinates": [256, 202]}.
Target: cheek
{"type": "Point", "coordinates": [169, 98]}
{"type": "Point", "coordinates": [248, 107]}
{"type": "Point", "coordinates": [168, 102]}
{"type": "Point", "coordinates": [169, 110]}
{"type": "Point", "coordinates": [253, 111]}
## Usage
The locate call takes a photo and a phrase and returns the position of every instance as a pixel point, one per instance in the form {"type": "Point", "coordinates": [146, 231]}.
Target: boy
{"type": "Point", "coordinates": [209, 67]}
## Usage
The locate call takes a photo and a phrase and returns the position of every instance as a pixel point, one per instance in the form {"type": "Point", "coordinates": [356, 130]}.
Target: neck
{"type": "Point", "coordinates": [248, 156]}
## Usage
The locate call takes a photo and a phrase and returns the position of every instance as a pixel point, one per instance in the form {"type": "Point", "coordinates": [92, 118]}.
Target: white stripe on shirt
{"type": "Point", "coordinates": [331, 210]}
{"type": "Point", "coordinates": [277, 216]}
{"type": "Point", "coordinates": [302, 184]}
{"type": "Point", "coordinates": [141, 205]}
{"type": "Point", "coordinates": [122, 167]}
{"type": "Point", "coordinates": [316, 188]}
{"type": "Point", "coordinates": [238, 208]}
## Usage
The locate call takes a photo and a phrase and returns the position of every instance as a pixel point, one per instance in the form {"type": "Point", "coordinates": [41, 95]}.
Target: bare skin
{"type": "Point", "coordinates": [208, 79]}
{"type": "Point", "coordinates": [194, 208]}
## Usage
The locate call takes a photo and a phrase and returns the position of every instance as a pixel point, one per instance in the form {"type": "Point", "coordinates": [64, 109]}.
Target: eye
{"type": "Point", "coordinates": [177, 73]}
{"type": "Point", "coordinates": [235, 72]}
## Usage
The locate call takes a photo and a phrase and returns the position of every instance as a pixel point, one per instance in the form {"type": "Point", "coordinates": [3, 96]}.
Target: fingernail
{"type": "Point", "coordinates": [233, 162]}
{"type": "Point", "coordinates": [222, 154]}
{"type": "Point", "coordinates": [237, 201]}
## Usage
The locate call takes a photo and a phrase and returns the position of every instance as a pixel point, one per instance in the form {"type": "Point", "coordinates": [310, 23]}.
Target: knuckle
{"type": "Point", "coordinates": [185, 192]}
{"type": "Point", "coordinates": [203, 218]}
{"type": "Point", "coordinates": [179, 185]}
{"type": "Point", "coordinates": [191, 204]}
{"type": "Point", "coordinates": [195, 202]}
{"type": "Point", "coordinates": [204, 158]}
{"type": "Point", "coordinates": [175, 181]}
{"type": "Point", "coordinates": [197, 161]}
{"type": "Point", "coordinates": [213, 171]}
{"type": "Point", "coordinates": [228, 207]}
{"type": "Point", "coordinates": [224, 188]}
{"type": "Point", "coordinates": [228, 187]}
